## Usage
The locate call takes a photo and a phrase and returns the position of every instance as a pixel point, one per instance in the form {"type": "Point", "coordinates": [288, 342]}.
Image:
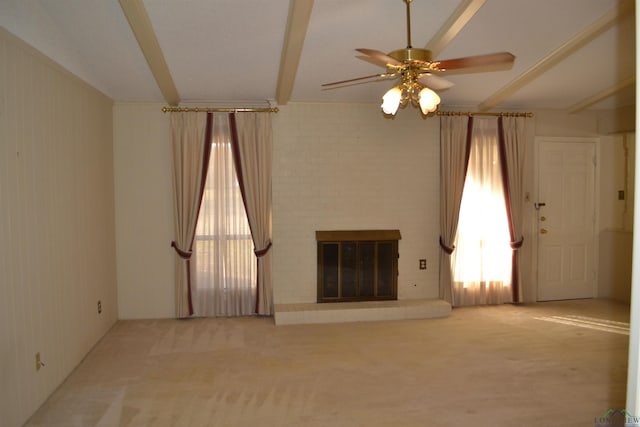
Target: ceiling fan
{"type": "Point", "coordinates": [419, 73]}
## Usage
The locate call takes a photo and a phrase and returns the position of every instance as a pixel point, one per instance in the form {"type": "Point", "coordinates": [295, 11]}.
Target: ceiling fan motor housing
{"type": "Point", "coordinates": [411, 54]}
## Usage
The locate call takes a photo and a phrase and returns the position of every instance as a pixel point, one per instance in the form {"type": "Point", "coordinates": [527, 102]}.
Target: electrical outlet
{"type": "Point", "coordinates": [99, 307]}
{"type": "Point", "coordinates": [39, 363]}
{"type": "Point", "coordinates": [423, 264]}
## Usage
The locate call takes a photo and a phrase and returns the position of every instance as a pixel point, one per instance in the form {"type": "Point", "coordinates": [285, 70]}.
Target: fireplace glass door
{"type": "Point", "coordinates": [360, 268]}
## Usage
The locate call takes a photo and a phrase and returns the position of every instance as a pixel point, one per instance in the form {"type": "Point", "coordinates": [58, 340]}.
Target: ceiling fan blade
{"type": "Point", "coordinates": [500, 58]}
{"type": "Point", "coordinates": [372, 60]}
{"type": "Point", "coordinates": [382, 58]}
{"type": "Point", "coordinates": [434, 82]}
{"type": "Point", "coordinates": [357, 79]}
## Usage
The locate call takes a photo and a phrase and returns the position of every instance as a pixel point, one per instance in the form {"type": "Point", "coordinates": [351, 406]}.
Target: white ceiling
{"type": "Point", "coordinates": [230, 50]}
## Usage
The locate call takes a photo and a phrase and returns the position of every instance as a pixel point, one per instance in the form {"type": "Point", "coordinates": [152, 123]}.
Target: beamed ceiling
{"type": "Point", "coordinates": [570, 54]}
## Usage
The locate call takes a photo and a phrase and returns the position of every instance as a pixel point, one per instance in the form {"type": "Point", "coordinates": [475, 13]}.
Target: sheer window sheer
{"type": "Point", "coordinates": [224, 264]}
{"type": "Point", "coordinates": [481, 262]}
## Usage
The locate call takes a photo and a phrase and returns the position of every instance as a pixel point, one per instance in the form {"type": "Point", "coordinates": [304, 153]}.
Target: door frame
{"type": "Point", "coordinates": [534, 218]}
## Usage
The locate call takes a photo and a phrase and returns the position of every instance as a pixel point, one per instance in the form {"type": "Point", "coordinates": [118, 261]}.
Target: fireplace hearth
{"type": "Point", "coordinates": [357, 265]}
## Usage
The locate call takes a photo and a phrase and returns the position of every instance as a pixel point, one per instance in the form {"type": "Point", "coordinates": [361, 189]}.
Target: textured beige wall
{"type": "Point", "coordinates": [336, 166]}
{"type": "Point", "coordinates": [344, 166]}
{"type": "Point", "coordinates": [560, 123]}
{"type": "Point", "coordinates": [144, 211]}
{"type": "Point", "coordinates": [382, 173]}
{"type": "Point", "coordinates": [615, 228]}
{"type": "Point", "coordinates": [57, 251]}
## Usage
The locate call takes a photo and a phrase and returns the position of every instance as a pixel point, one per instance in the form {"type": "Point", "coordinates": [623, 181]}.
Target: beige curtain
{"type": "Point", "coordinates": [190, 152]}
{"type": "Point", "coordinates": [512, 131]}
{"type": "Point", "coordinates": [482, 259]}
{"type": "Point", "coordinates": [252, 142]}
{"type": "Point", "coordinates": [455, 134]}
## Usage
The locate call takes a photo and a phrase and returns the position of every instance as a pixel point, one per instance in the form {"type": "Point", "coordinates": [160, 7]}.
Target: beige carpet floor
{"type": "Point", "coordinates": [529, 365]}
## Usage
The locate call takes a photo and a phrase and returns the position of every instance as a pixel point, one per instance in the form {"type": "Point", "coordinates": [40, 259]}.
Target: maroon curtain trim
{"type": "Point", "coordinates": [203, 182]}
{"type": "Point", "coordinates": [262, 252]}
{"type": "Point", "coordinates": [206, 158]}
{"type": "Point", "coordinates": [507, 200]}
{"type": "Point", "coordinates": [518, 244]}
{"type": "Point", "coordinates": [448, 250]}
{"type": "Point", "coordinates": [235, 148]}
{"type": "Point", "coordinates": [505, 175]}
{"type": "Point", "coordinates": [259, 254]}
{"type": "Point", "coordinates": [256, 308]}
{"type": "Point", "coordinates": [467, 154]}
{"type": "Point", "coordinates": [182, 254]}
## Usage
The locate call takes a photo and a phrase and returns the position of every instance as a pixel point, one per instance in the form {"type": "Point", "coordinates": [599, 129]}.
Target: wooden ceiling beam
{"type": "Point", "coordinates": [453, 25]}
{"type": "Point", "coordinates": [297, 24]}
{"type": "Point", "coordinates": [602, 95]}
{"type": "Point", "coordinates": [602, 24]}
{"type": "Point", "coordinates": [141, 26]}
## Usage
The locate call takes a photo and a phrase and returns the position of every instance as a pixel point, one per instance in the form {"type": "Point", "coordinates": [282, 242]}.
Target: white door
{"type": "Point", "coordinates": [566, 220]}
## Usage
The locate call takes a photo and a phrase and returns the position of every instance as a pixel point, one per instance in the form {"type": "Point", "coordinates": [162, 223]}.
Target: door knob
{"type": "Point", "coordinates": [543, 231]}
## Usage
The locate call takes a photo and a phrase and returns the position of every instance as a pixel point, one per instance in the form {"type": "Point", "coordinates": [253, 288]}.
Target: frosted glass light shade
{"type": "Point", "coordinates": [391, 100]}
{"type": "Point", "coordinates": [429, 100]}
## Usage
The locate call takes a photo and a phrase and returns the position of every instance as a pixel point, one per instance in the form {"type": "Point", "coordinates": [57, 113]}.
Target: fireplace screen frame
{"type": "Point", "coordinates": [363, 265]}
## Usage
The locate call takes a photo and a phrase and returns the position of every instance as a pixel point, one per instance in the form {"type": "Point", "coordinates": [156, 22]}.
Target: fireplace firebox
{"type": "Point", "coordinates": [357, 265]}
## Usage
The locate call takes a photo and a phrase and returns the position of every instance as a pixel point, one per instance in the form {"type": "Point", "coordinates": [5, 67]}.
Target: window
{"type": "Point", "coordinates": [224, 265]}
{"type": "Point", "coordinates": [482, 258]}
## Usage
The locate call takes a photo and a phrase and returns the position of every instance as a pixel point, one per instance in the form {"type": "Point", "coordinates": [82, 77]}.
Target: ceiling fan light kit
{"type": "Point", "coordinates": [428, 100]}
{"type": "Point", "coordinates": [410, 91]}
{"type": "Point", "coordinates": [392, 100]}
{"type": "Point", "coordinates": [418, 73]}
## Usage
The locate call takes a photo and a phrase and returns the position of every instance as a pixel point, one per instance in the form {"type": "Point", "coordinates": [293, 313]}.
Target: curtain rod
{"type": "Point", "coordinates": [276, 109]}
{"type": "Point", "coordinates": [218, 110]}
{"type": "Point", "coordinates": [473, 113]}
